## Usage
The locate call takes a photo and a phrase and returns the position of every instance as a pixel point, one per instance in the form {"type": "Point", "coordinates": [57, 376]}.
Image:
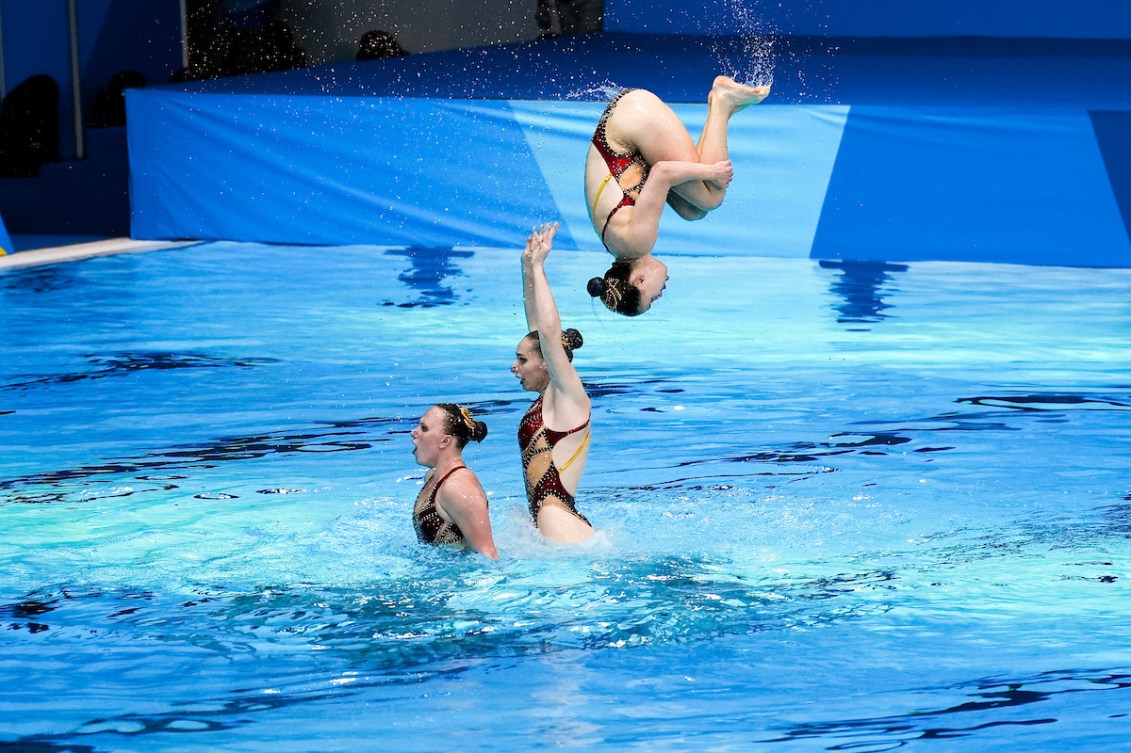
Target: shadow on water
{"type": "Point", "coordinates": [429, 269]}
{"type": "Point", "coordinates": [443, 619]}
{"type": "Point", "coordinates": [444, 622]}
{"type": "Point", "coordinates": [1052, 402]}
{"type": "Point", "coordinates": [38, 744]}
{"type": "Point", "coordinates": [123, 364]}
{"type": "Point", "coordinates": [338, 436]}
{"type": "Point", "coordinates": [796, 460]}
{"type": "Point", "coordinates": [74, 484]}
{"type": "Point", "coordinates": [861, 286]}
{"type": "Point", "coordinates": [40, 279]}
{"type": "Point", "coordinates": [445, 610]}
{"type": "Point", "coordinates": [986, 696]}
{"type": "Point", "coordinates": [921, 436]}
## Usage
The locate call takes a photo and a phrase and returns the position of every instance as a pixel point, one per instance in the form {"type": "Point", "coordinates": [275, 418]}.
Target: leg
{"type": "Point", "coordinates": [643, 121]}
{"type": "Point", "coordinates": [684, 208]}
{"type": "Point", "coordinates": [558, 524]}
{"type": "Point", "coordinates": [638, 227]}
{"type": "Point", "coordinates": [726, 98]}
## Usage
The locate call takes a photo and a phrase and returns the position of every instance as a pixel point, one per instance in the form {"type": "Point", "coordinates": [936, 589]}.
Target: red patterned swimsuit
{"type": "Point", "coordinates": [543, 481]}
{"type": "Point", "coordinates": [430, 527]}
{"type": "Point", "coordinates": [617, 164]}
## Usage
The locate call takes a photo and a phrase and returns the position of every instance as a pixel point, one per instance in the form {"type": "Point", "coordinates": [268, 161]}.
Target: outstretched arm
{"type": "Point", "coordinates": [542, 317]}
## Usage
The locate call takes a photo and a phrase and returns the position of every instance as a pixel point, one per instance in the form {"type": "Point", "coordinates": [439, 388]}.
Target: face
{"type": "Point", "coordinates": [529, 366]}
{"type": "Point", "coordinates": [650, 276]}
{"type": "Point", "coordinates": [429, 439]}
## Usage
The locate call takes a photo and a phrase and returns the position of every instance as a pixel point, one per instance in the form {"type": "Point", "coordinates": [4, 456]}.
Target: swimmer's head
{"type": "Point", "coordinates": [571, 341]}
{"type": "Point", "coordinates": [530, 363]}
{"type": "Point", "coordinates": [631, 287]}
{"type": "Point", "coordinates": [459, 423]}
{"type": "Point", "coordinates": [442, 432]}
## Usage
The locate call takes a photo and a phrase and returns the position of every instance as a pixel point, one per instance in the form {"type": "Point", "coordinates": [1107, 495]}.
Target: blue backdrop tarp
{"type": "Point", "coordinates": [5, 240]}
{"type": "Point", "coordinates": [312, 170]}
{"type": "Point", "coordinates": [441, 172]}
{"type": "Point", "coordinates": [1015, 152]}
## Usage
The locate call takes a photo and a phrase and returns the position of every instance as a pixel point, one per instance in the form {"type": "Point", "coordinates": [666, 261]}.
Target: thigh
{"type": "Point", "coordinates": [685, 208]}
{"type": "Point", "coordinates": [642, 121]}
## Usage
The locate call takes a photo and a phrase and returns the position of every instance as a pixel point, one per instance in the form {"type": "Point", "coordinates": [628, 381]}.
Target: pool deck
{"type": "Point", "coordinates": [77, 251]}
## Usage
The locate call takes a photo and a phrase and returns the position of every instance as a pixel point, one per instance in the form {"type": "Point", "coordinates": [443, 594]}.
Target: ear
{"type": "Point", "coordinates": [447, 440]}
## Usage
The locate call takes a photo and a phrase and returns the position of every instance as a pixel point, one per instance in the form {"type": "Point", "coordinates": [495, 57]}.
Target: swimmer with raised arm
{"type": "Point", "coordinates": [451, 508]}
{"type": "Point", "coordinates": [554, 433]}
{"type": "Point", "coordinates": [641, 159]}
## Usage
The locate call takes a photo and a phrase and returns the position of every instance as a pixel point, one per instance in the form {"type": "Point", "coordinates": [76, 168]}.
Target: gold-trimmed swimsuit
{"type": "Point", "coordinates": [543, 480]}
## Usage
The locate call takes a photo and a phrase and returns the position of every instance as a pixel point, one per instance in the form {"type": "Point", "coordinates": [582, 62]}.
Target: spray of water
{"type": "Point", "coordinates": [600, 90]}
{"type": "Point", "coordinates": [749, 56]}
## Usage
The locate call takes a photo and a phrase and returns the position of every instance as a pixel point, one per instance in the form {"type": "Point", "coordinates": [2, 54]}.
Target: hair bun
{"type": "Point", "coordinates": [479, 433]}
{"type": "Point", "coordinates": [572, 339]}
{"type": "Point", "coordinates": [596, 287]}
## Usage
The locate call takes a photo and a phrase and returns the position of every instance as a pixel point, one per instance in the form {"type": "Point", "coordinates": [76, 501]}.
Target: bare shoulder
{"type": "Point", "coordinates": [462, 488]}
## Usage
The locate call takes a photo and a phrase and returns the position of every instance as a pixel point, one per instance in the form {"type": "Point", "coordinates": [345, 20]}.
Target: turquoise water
{"type": "Point", "coordinates": [841, 507]}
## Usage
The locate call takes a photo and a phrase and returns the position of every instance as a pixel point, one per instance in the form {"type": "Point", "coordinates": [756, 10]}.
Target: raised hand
{"type": "Point", "coordinates": [539, 243]}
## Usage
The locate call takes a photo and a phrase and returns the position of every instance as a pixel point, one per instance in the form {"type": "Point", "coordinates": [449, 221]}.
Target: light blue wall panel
{"type": "Point", "coordinates": [327, 170]}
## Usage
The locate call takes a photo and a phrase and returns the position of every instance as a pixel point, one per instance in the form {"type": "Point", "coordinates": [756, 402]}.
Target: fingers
{"type": "Point", "coordinates": [724, 173]}
{"type": "Point", "coordinates": [542, 237]}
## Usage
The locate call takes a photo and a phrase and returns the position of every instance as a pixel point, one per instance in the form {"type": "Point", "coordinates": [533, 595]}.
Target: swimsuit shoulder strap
{"type": "Point", "coordinates": [580, 447]}
{"type": "Point", "coordinates": [436, 488]}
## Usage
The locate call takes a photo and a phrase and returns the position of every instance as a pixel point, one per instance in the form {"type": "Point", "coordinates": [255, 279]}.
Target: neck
{"type": "Point", "coordinates": [447, 464]}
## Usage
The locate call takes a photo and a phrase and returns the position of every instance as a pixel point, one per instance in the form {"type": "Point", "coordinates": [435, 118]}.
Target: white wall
{"type": "Point", "coordinates": [329, 30]}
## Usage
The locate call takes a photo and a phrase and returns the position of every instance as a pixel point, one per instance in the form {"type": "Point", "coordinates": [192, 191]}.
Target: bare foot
{"type": "Point", "coordinates": [733, 96]}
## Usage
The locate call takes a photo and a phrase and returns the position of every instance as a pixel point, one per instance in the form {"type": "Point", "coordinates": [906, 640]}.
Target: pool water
{"type": "Point", "coordinates": [855, 507]}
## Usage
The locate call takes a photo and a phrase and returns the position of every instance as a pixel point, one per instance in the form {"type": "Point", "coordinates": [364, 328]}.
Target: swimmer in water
{"type": "Point", "coordinates": [554, 433]}
{"type": "Point", "coordinates": [641, 159]}
{"type": "Point", "coordinates": [451, 509]}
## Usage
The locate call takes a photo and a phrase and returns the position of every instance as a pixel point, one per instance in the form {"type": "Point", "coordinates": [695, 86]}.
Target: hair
{"type": "Point", "coordinates": [615, 291]}
{"type": "Point", "coordinates": [461, 425]}
{"type": "Point", "coordinates": [571, 341]}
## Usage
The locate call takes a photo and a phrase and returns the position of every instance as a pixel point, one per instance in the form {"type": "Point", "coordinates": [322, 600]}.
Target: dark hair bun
{"type": "Point", "coordinates": [596, 287]}
{"type": "Point", "coordinates": [572, 339]}
{"type": "Point", "coordinates": [479, 433]}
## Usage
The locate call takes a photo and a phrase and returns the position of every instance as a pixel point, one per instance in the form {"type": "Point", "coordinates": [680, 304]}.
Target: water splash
{"type": "Point", "coordinates": [748, 57]}
{"type": "Point", "coordinates": [600, 90]}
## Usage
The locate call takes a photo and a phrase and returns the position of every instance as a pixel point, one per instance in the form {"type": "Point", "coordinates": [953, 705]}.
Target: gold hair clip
{"type": "Point", "coordinates": [467, 419]}
{"type": "Point", "coordinates": [614, 296]}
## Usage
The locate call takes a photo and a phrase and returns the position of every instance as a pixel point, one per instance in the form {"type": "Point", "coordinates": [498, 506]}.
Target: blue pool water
{"type": "Point", "coordinates": [842, 507]}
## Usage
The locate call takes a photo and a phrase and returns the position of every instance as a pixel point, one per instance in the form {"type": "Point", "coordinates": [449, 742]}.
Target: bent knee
{"type": "Point", "coordinates": [689, 213]}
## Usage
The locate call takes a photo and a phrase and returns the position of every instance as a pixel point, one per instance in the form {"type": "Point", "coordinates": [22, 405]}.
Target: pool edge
{"type": "Point", "coordinates": [78, 251]}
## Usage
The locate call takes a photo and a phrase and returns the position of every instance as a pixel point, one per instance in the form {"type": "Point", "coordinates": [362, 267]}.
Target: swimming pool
{"type": "Point", "coordinates": [843, 507]}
